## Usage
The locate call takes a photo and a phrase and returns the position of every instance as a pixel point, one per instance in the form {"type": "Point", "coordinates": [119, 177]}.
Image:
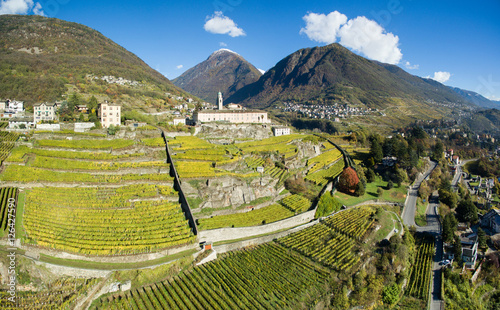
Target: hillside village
{"type": "Point", "coordinates": [333, 112]}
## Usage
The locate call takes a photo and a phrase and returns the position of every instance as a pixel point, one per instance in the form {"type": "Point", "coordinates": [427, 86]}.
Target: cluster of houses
{"type": "Point", "coordinates": [482, 187]}
{"type": "Point", "coordinates": [11, 108]}
{"type": "Point", "coordinates": [490, 222]}
{"type": "Point", "coordinates": [454, 159]}
{"type": "Point", "coordinates": [114, 80]}
{"type": "Point", "coordinates": [333, 112]}
{"type": "Point", "coordinates": [108, 114]}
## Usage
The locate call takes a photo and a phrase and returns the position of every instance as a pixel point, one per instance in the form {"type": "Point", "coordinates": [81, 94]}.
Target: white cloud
{"type": "Point", "coordinates": [493, 97]}
{"type": "Point", "coordinates": [440, 76]}
{"type": "Point", "coordinates": [323, 28]}
{"type": "Point", "coordinates": [369, 38]}
{"type": "Point", "coordinates": [37, 10]}
{"type": "Point", "coordinates": [220, 24]}
{"type": "Point", "coordinates": [261, 71]}
{"type": "Point", "coordinates": [359, 34]}
{"type": "Point", "coordinates": [222, 44]}
{"type": "Point", "coordinates": [410, 66]}
{"type": "Point", "coordinates": [180, 66]}
{"type": "Point", "coordinates": [20, 7]}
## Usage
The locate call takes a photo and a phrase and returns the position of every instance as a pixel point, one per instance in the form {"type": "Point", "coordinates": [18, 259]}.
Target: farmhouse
{"type": "Point", "coordinates": [44, 112]}
{"type": "Point", "coordinates": [109, 114]}
{"type": "Point", "coordinates": [14, 106]}
{"type": "Point", "coordinates": [20, 123]}
{"type": "Point", "coordinates": [281, 131]}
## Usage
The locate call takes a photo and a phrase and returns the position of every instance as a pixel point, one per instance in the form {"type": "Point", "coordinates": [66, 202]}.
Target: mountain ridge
{"type": "Point", "coordinates": [224, 70]}
{"type": "Point", "coordinates": [44, 59]}
{"type": "Point", "coordinates": [476, 98]}
{"type": "Point", "coordinates": [332, 72]}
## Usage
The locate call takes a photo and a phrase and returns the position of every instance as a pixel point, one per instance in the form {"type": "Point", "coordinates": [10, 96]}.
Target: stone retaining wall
{"type": "Point", "coordinates": [177, 186]}
{"type": "Point", "coordinates": [256, 241]}
{"type": "Point", "coordinates": [222, 234]}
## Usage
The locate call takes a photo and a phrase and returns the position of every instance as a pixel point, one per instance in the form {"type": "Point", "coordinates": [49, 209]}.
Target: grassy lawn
{"type": "Point", "coordinates": [385, 220]}
{"type": "Point", "coordinates": [20, 232]}
{"type": "Point", "coordinates": [396, 194]}
{"type": "Point", "coordinates": [113, 266]}
{"type": "Point", "coordinates": [420, 216]}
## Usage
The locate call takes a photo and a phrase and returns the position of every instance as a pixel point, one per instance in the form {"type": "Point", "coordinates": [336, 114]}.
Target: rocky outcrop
{"type": "Point", "coordinates": [235, 131]}
{"type": "Point", "coordinates": [228, 191]}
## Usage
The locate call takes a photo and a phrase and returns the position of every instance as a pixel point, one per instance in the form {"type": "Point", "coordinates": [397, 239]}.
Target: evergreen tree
{"type": "Point", "coordinates": [481, 239]}
{"type": "Point", "coordinates": [449, 227]}
{"type": "Point", "coordinates": [376, 151]}
{"type": "Point", "coordinates": [370, 175]}
{"type": "Point", "coordinates": [467, 211]}
{"type": "Point", "coordinates": [438, 151]}
{"type": "Point", "coordinates": [92, 103]}
{"type": "Point", "coordinates": [390, 185]}
{"type": "Point", "coordinates": [360, 190]}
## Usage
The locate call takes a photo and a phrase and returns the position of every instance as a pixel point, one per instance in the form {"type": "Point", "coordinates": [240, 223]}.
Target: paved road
{"type": "Point", "coordinates": [408, 214]}
{"type": "Point", "coordinates": [434, 228]}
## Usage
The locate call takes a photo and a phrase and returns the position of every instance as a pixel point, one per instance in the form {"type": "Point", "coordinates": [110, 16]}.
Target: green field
{"type": "Point", "coordinates": [396, 194]}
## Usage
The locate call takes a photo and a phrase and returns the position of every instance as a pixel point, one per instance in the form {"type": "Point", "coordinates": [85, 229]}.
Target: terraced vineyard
{"type": "Point", "coordinates": [198, 169]}
{"type": "Point", "coordinates": [7, 140]}
{"type": "Point", "coordinates": [183, 143]}
{"type": "Point", "coordinates": [248, 279]}
{"type": "Point", "coordinates": [19, 154]}
{"type": "Point", "coordinates": [62, 295]}
{"type": "Point", "coordinates": [352, 222]}
{"type": "Point", "coordinates": [69, 164]}
{"type": "Point", "coordinates": [23, 174]}
{"type": "Point", "coordinates": [260, 216]}
{"type": "Point", "coordinates": [87, 144]}
{"type": "Point", "coordinates": [86, 228]}
{"type": "Point", "coordinates": [333, 247]}
{"type": "Point", "coordinates": [195, 150]}
{"type": "Point", "coordinates": [323, 160]}
{"type": "Point", "coordinates": [322, 177]}
{"type": "Point", "coordinates": [154, 142]}
{"type": "Point", "coordinates": [6, 193]}
{"type": "Point", "coordinates": [278, 144]}
{"type": "Point", "coordinates": [140, 215]}
{"type": "Point", "coordinates": [420, 277]}
{"type": "Point", "coordinates": [99, 198]}
{"type": "Point", "coordinates": [254, 161]}
{"type": "Point", "coordinates": [296, 203]}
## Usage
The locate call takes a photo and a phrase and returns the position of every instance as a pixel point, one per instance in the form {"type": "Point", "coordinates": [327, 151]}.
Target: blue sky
{"type": "Point", "coordinates": [456, 42]}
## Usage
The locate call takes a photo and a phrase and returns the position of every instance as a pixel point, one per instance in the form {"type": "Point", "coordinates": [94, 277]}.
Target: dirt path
{"type": "Point", "coordinates": [100, 288]}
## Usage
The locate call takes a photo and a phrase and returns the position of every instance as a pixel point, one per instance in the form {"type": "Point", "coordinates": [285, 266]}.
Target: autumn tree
{"type": "Point", "coordinates": [348, 180]}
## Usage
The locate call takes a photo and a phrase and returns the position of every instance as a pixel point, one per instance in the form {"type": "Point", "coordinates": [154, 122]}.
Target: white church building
{"type": "Point", "coordinates": [233, 113]}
